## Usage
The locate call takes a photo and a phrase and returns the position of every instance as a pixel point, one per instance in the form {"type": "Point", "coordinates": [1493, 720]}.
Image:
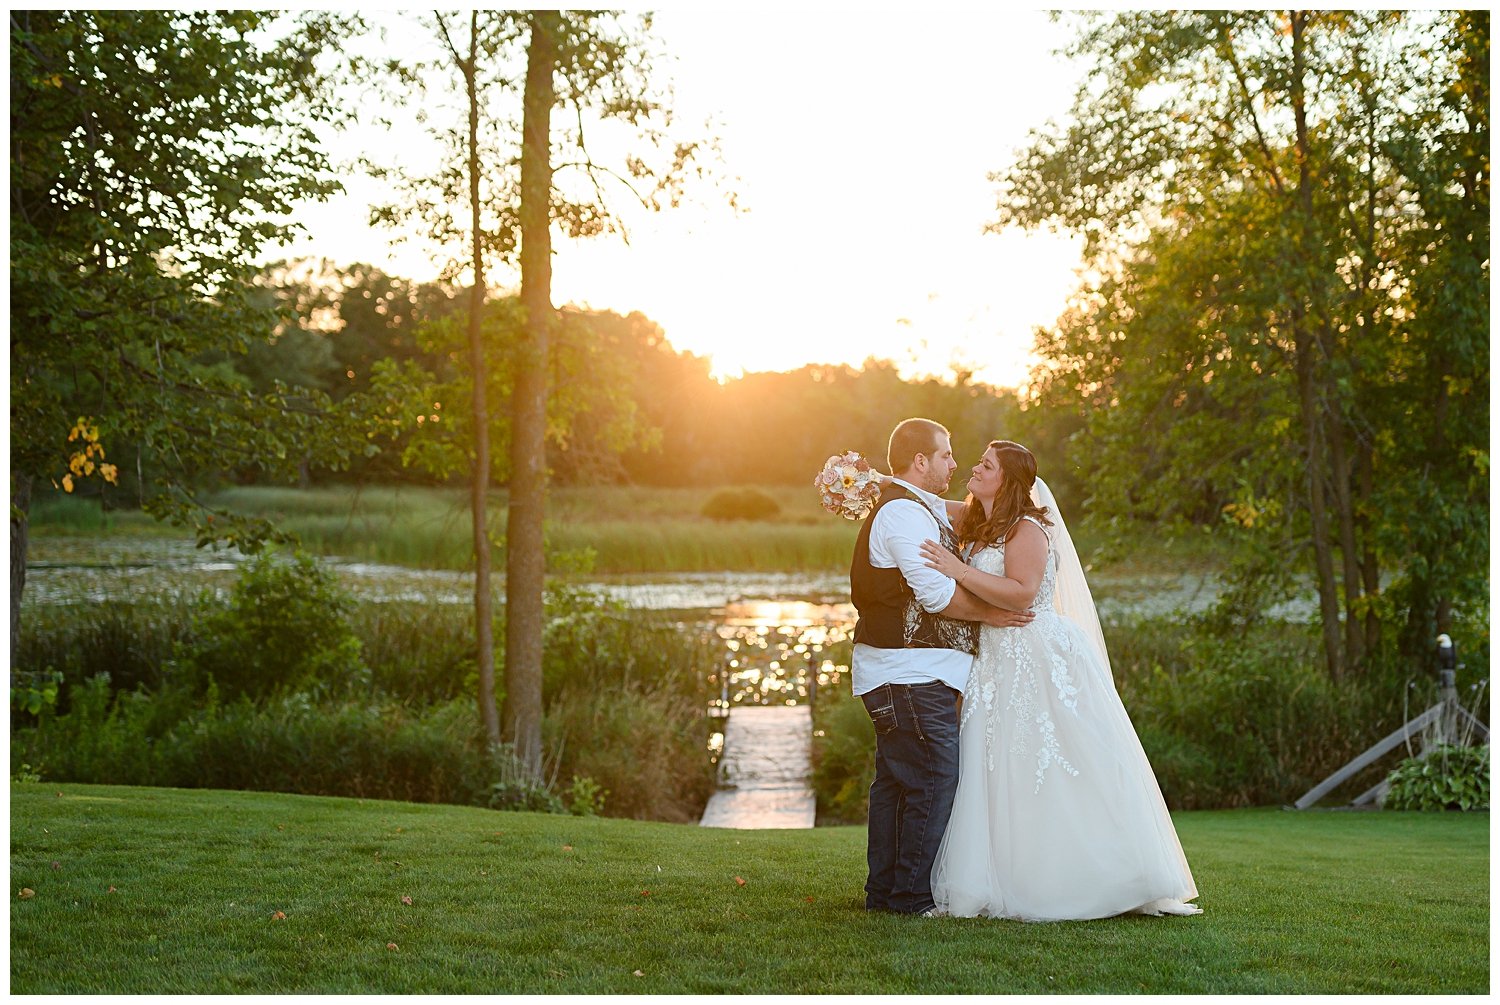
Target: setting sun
{"type": "Point", "coordinates": [864, 182]}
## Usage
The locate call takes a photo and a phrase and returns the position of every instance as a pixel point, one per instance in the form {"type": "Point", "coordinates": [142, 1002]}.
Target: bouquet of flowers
{"type": "Point", "coordinates": [848, 485]}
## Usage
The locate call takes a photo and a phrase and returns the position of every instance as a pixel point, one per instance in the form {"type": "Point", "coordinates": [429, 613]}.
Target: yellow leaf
{"type": "Point", "coordinates": [67, 483]}
{"type": "Point", "coordinates": [279, 916]}
{"type": "Point", "coordinates": [27, 893]}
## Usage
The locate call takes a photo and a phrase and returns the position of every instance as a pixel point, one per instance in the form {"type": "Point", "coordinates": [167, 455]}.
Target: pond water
{"type": "Point", "coordinates": [78, 570]}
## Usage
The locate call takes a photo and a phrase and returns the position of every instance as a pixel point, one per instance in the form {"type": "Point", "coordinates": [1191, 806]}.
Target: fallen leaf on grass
{"type": "Point", "coordinates": [809, 900]}
{"type": "Point", "coordinates": [638, 973]}
{"type": "Point", "coordinates": [26, 893]}
{"type": "Point", "coordinates": [567, 847]}
{"type": "Point", "coordinates": [279, 916]}
{"type": "Point", "coordinates": [406, 900]}
{"type": "Point", "coordinates": [645, 893]}
{"type": "Point", "coordinates": [391, 946]}
{"type": "Point", "coordinates": [56, 866]}
{"type": "Point", "coordinates": [112, 890]}
{"type": "Point", "coordinates": [738, 881]}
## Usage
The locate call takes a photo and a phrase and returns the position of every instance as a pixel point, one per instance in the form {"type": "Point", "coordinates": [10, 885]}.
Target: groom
{"type": "Point", "coordinates": [916, 636]}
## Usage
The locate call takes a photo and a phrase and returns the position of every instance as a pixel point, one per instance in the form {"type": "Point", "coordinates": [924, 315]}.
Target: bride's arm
{"type": "Point", "coordinates": [1025, 562]}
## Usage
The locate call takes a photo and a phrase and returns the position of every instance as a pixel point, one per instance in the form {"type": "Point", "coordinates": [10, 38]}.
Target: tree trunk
{"type": "Point", "coordinates": [20, 537]}
{"type": "Point", "coordinates": [1343, 477]}
{"type": "Point", "coordinates": [1307, 369]}
{"type": "Point", "coordinates": [525, 560]}
{"type": "Point", "coordinates": [1328, 588]}
{"type": "Point", "coordinates": [484, 632]}
{"type": "Point", "coordinates": [1369, 560]}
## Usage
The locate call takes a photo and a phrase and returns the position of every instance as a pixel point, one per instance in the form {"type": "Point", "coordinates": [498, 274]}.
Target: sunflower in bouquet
{"type": "Point", "coordinates": [849, 486]}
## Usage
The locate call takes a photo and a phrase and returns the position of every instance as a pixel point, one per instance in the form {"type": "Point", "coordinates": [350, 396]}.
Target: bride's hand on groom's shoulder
{"type": "Point", "coordinates": [944, 561]}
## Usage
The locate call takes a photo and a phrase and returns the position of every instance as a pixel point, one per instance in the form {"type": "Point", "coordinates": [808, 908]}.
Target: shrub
{"type": "Point", "coordinates": [1244, 720]}
{"type": "Point", "coordinates": [1443, 778]}
{"type": "Point", "coordinates": [132, 641]}
{"type": "Point", "coordinates": [843, 756]}
{"type": "Point", "coordinates": [645, 747]}
{"type": "Point", "coordinates": [286, 627]}
{"type": "Point", "coordinates": [591, 642]}
{"type": "Point", "coordinates": [418, 652]}
{"type": "Point", "coordinates": [288, 744]}
{"type": "Point", "coordinates": [741, 504]}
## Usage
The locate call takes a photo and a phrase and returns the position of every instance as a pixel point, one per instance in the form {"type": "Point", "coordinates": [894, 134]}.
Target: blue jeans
{"type": "Point", "coordinates": [916, 775]}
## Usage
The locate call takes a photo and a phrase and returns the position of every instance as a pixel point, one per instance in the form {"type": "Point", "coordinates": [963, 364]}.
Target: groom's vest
{"type": "Point", "coordinates": [890, 617]}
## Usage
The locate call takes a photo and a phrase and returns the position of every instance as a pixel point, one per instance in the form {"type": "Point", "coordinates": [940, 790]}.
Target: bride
{"type": "Point", "coordinates": [1058, 815]}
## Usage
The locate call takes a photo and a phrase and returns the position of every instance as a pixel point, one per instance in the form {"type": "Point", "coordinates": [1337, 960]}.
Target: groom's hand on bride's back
{"type": "Point", "coordinates": [999, 617]}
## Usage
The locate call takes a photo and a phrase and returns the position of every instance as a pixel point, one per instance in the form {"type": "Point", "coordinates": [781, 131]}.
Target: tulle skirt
{"type": "Point", "coordinates": [1058, 815]}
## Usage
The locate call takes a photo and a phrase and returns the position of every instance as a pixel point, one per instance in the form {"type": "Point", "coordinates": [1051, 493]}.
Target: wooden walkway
{"type": "Point", "coordinates": [763, 773]}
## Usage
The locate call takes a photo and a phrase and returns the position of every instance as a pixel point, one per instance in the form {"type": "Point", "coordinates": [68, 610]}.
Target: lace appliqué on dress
{"type": "Point", "coordinates": [1032, 731]}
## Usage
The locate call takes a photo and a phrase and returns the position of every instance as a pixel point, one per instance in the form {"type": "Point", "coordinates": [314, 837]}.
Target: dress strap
{"type": "Point", "coordinates": [1045, 531]}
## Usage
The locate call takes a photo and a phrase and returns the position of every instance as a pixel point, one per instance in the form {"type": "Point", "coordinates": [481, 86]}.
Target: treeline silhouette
{"type": "Point", "coordinates": [641, 412]}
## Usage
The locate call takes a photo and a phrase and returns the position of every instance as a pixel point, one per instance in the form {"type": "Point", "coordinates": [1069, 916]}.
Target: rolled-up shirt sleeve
{"type": "Point", "coordinates": [896, 543]}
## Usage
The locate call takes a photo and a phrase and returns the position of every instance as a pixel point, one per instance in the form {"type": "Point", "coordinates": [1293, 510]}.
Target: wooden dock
{"type": "Point", "coordinates": [763, 775]}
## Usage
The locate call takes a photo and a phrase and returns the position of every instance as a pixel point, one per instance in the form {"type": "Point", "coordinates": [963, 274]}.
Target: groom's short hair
{"type": "Point", "coordinates": [910, 438]}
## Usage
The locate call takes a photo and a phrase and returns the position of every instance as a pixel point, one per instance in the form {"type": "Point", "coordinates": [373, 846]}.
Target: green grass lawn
{"type": "Point", "coordinates": [157, 890]}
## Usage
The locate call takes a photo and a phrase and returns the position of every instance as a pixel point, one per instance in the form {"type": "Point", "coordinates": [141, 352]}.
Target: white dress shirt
{"type": "Point", "coordinates": [896, 539]}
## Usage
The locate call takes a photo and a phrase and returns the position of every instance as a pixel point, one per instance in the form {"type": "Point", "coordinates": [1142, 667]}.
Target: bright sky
{"type": "Point", "coordinates": [862, 145]}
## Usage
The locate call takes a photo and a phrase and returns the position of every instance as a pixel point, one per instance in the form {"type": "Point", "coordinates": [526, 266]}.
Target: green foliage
{"type": "Point", "coordinates": [646, 747]}
{"type": "Point", "coordinates": [1299, 295]}
{"type": "Point", "coordinates": [25, 774]}
{"type": "Point", "coordinates": [518, 789]}
{"type": "Point", "coordinates": [34, 690]}
{"type": "Point", "coordinates": [741, 504]}
{"type": "Point", "coordinates": [1247, 719]}
{"type": "Point", "coordinates": [619, 683]}
{"type": "Point", "coordinates": [586, 797]}
{"type": "Point", "coordinates": [383, 750]}
{"type": "Point", "coordinates": [1446, 777]}
{"type": "Point", "coordinates": [843, 757]}
{"type": "Point", "coordinates": [285, 628]}
{"type": "Point", "coordinates": [625, 721]}
{"type": "Point", "coordinates": [156, 154]}
{"type": "Point", "coordinates": [132, 640]}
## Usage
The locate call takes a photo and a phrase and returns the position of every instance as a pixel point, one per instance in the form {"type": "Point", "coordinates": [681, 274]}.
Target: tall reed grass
{"type": "Point", "coordinates": [609, 529]}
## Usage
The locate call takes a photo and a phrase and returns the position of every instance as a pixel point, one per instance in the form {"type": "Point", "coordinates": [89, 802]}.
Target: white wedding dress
{"type": "Point", "coordinates": [1058, 815]}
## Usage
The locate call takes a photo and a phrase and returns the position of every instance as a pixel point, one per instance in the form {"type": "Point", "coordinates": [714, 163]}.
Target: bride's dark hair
{"type": "Point", "coordinates": [1012, 501]}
